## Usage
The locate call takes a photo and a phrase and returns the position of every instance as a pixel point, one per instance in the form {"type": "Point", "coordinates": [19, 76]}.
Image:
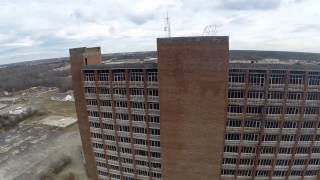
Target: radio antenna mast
{"type": "Point", "coordinates": [167, 29]}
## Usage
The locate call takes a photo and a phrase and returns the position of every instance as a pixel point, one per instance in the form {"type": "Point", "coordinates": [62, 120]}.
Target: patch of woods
{"type": "Point", "coordinates": [26, 75]}
{"type": "Point", "coordinates": [8, 121]}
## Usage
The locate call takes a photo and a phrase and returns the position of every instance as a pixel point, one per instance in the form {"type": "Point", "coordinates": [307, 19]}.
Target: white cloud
{"type": "Point", "coordinates": [42, 28]}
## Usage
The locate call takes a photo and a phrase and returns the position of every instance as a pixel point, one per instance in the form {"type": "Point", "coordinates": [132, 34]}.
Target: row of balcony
{"type": "Point", "coordinates": [269, 167]}
{"type": "Point", "coordinates": [271, 143]}
{"type": "Point", "coordinates": [311, 117]}
{"type": "Point", "coordinates": [270, 156]}
{"type": "Point", "coordinates": [133, 84]}
{"type": "Point", "coordinates": [273, 102]}
{"type": "Point", "coordinates": [121, 97]}
{"type": "Point", "coordinates": [293, 87]}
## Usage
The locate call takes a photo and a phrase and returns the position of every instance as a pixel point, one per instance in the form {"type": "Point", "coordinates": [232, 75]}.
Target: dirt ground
{"type": "Point", "coordinates": [30, 148]}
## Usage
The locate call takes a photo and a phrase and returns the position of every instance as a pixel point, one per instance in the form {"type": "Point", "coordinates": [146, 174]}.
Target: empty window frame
{"type": "Point", "coordinates": [237, 77]}
{"type": "Point", "coordinates": [296, 173]}
{"type": "Point", "coordinates": [311, 110]}
{"type": "Point", "coordinates": [227, 171]}
{"type": "Point", "coordinates": [136, 91]}
{"type": "Point", "coordinates": [236, 94]}
{"type": "Point", "coordinates": [312, 96]}
{"type": "Point", "coordinates": [262, 173]}
{"type": "Point", "coordinates": [89, 76]}
{"type": "Point", "coordinates": [314, 80]}
{"type": "Point", "coordinates": [154, 119]}
{"type": "Point", "coordinates": [119, 91]}
{"type": "Point", "coordinates": [107, 115]}
{"type": "Point", "coordinates": [269, 137]}
{"type": "Point", "coordinates": [152, 75]}
{"type": "Point", "coordinates": [153, 92]}
{"type": "Point", "coordinates": [137, 105]}
{"type": "Point", "coordinates": [256, 94]}
{"type": "Point", "coordinates": [234, 123]}
{"type": "Point", "coordinates": [257, 79]}
{"type": "Point", "coordinates": [252, 123]}
{"type": "Point", "coordinates": [275, 95]}
{"type": "Point", "coordinates": [290, 124]}
{"type": "Point", "coordinates": [103, 76]}
{"type": "Point", "coordinates": [271, 124]}
{"type": "Point", "coordinates": [92, 102]}
{"type": "Point", "coordinates": [139, 130]}
{"type": "Point", "coordinates": [124, 128]}
{"type": "Point", "coordinates": [233, 136]}
{"type": "Point", "coordinates": [265, 162]}
{"type": "Point", "coordinates": [295, 95]}
{"type": "Point", "coordinates": [118, 76]}
{"type": "Point", "coordinates": [305, 137]}
{"type": "Point", "coordinates": [136, 75]}
{"type": "Point", "coordinates": [106, 103]}
{"type": "Point", "coordinates": [303, 150]}
{"type": "Point", "coordinates": [155, 132]}
{"type": "Point", "coordinates": [103, 90]}
{"type": "Point", "coordinates": [292, 110]}
{"type": "Point", "coordinates": [248, 149]}
{"type": "Point", "coordinates": [285, 150]}
{"type": "Point", "coordinates": [121, 104]}
{"type": "Point", "coordinates": [90, 90]}
{"type": "Point", "coordinates": [311, 173]}
{"type": "Point", "coordinates": [93, 113]}
{"type": "Point", "coordinates": [122, 116]}
{"type": "Point", "coordinates": [279, 173]}
{"type": "Point", "coordinates": [244, 172]}
{"type": "Point", "coordinates": [277, 79]}
{"type": "Point", "coordinates": [235, 109]}
{"type": "Point", "coordinates": [274, 110]}
{"type": "Point", "coordinates": [296, 77]}
{"type": "Point", "coordinates": [136, 117]}
{"type": "Point", "coordinates": [229, 160]}
{"type": "Point", "coordinates": [231, 149]}
{"type": "Point", "coordinates": [287, 138]}
{"type": "Point", "coordinates": [153, 106]}
{"type": "Point", "coordinates": [254, 109]}
{"type": "Point", "coordinates": [309, 124]}
{"type": "Point", "coordinates": [282, 162]}
{"type": "Point", "coordinates": [250, 137]}
{"type": "Point", "coordinates": [298, 162]}
{"type": "Point", "coordinates": [267, 150]}
{"type": "Point", "coordinates": [246, 161]}
{"type": "Point", "coordinates": [314, 161]}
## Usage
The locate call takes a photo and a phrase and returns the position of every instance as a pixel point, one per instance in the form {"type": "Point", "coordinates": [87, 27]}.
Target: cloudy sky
{"type": "Point", "coordinates": [48, 28]}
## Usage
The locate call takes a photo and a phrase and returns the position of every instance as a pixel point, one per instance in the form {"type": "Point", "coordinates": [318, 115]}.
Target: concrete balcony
{"type": "Point", "coordinates": [227, 177]}
{"type": "Point", "coordinates": [276, 87]}
{"type": "Point", "coordinates": [121, 110]}
{"type": "Point", "coordinates": [301, 156]}
{"type": "Point", "coordinates": [275, 102]}
{"type": "Point", "coordinates": [90, 95]}
{"type": "Point", "coordinates": [236, 101]}
{"type": "Point", "coordinates": [315, 155]}
{"type": "Point", "coordinates": [249, 143]}
{"type": "Point", "coordinates": [136, 84]}
{"type": "Point", "coordinates": [236, 85]}
{"type": "Point", "coordinates": [269, 143]}
{"type": "Point", "coordinates": [234, 115]}
{"type": "Point", "coordinates": [152, 84]}
{"type": "Point", "coordinates": [264, 167]}
{"type": "Point", "coordinates": [291, 116]}
{"type": "Point", "coordinates": [105, 96]}
{"type": "Point", "coordinates": [251, 129]}
{"type": "Point", "coordinates": [267, 156]}
{"type": "Point", "coordinates": [289, 130]}
{"type": "Point", "coordinates": [154, 112]}
{"type": "Point", "coordinates": [298, 167]}
{"type": "Point", "coordinates": [108, 120]}
{"type": "Point", "coordinates": [281, 168]}
{"type": "Point", "coordinates": [304, 143]}
{"type": "Point", "coordinates": [122, 122]}
{"type": "Point", "coordinates": [92, 108]}
{"type": "Point", "coordinates": [120, 97]}
{"type": "Point", "coordinates": [295, 87]}
{"type": "Point", "coordinates": [108, 142]}
{"type": "Point", "coordinates": [310, 117]}
{"type": "Point", "coordinates": [291, 102]}
{"type": "Point", "coordinates": [229, 166]}
{"type": "Point", "coordinates": [261, 178]}
{"type": "Point", "coordinates": [232, 142]}
{"type": "Point", "coordinates": [138, 111]}
{"type": "Point", "coordinates": [106, 108]}
{"type": "Point", "coordinates": [153, 98]}
{"type": "Point", "coordinates": [139, 135]}
{"type": "Point", "coordinates": [137, 98]}
{"type": "Point", "coordinates": [255, 101]}
{"type": "Point", "coordinates": [287, 143]}
{"type": "Point", "coordinates": [272, 130]}
{"type": "Point", "coordinates": [89, 83]}
{"type": "Point", "coordinates": [312, 102]}
{"type": "Point", "coordinates": [139, 124]}
{"type": "Point", "coordinates": [273, 116]}
{"type": "Point", "coordinates": [233, 129]}
{"type": "Point", "coordinates": [119, 84]}
{"type": "Point", "coordinates": [104, 84]}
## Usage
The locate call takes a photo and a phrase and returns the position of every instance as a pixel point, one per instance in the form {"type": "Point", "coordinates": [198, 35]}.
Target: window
{"type": "Point", "coordinates": [118, 76]}
{"type": "Point", "coordinates": [279, 173]}
{"type": "Point", "coordinates": [140, 141]}
{"type": "Point", "coordinates": [232, 136]}
{"type": "Point", "coordinates": [256, 79]}
{"type": "Point", "coordinates": [250, 137]}
{"type": "Point", "coordinates": [153, 92]}
{"type": "Point", "coordinates": [303, 150]}
{"type": "Point", "coordinates": [262, 173]}
{"type": "Point", "coordinates": [152, 75]}
{"type": "Point", "coordinates": [295, 95]}
{"type": "Point", "coordinates": [311, 110]}
{"type": "Point", "coordinates": [93, 113]}
{"type": "Point", "coordinates": [153, 106]}
{"type": "Point", "coordinates": [107, 115]}
{"type": "Point", "coordinates": [232, 149]}
{"type": "Point", "coordinates": [229, 161]}
{"type": "Point", "coordinates": [246, 161]}
{"type": "Point", "coordinates": [296, 77]}
{"type": "Point", "coordinates": [267, 150]}
{"type": "Point", "coordinates": [314, 80]}
{"type": "Point", "coordinates": [136, 75]}
{"type": "Point", "coordinates": [154, 119]}
{"type": "Point", "coordinates": [296, 173]}
{"type": "Point", "coordinates": [275, 94]}
{"type": "Point", "coordinates": [108, 126]}
{"type": "Point", "coordinates": [137, 105]}
{"type": "Point", "coordinates": [292, 110]}
{"type": "Point", "coordinates": [235, 94]}
{"type": "Point", "coordinates": [124, 128]}
{"type": "Point", "coordinates": [265, 162]}
{"type": "Point", "coordinates": [136, 117]}
{"type": "Point", "coordinates": [89, 76]}
{"type": "Point", "coordinates": [234, 123]}
{"type": "Point", "coordinates": [106, 103]}
{"type": "Point", "coordinates": [122, 116]}
{"type": "Point", "coordinates": [235, 109]}
{"type": "Point", "coordinates": [282, 162]}
{"type": "Point", "coordinates": [248, 149]}
{"type": "Point", "coordinates": [287, 138]}
{"type": "Point", "coordinates": [277, 79]}
{"type": "Point", "coordinates": [139, 130]}
{"type": "Point", "coordinates": [104, 90]}
{"type": "Point", "coordinates": [119, 91]}
{"type": "Point", "coordinates": [244, 172]}
{"type": "Point", "coordinates": [274, 110]}
{"type": "Point", "coordinates": [298, 162]}
{"type": "Point", "coordinates": [92, 102]}
{"type": "Point", "coordinates": [269, 137]}
{"type": "Point", "coordinates": [227, 172]}
{"type": "Point", "coordinates": [285, 150]}
{"type": "Point", "coordinates": [237, 77]}
{"type": "Point", "coordinates": [155, 143]}
{"type": "Point", "coordinates": [137, 91]}
{"type": "Point", "coordinates": [305, 138]}
{"type": "Point", "coordinates": [256, 94]}
{"type": "Point", "coordinates": [254, 109]}
{"type": "Point", "coordinates": [312, 96]}
{"type": "Point", "coordinates": [252, 123]}
{"type": "Point", "coordinates": [103, 76]}
{"type": "Point", "coordinates": [122, 104]}
{"type": "Point", "coordinates": [271, 124]}
{"type": "Point", "coordinates": [155, 131]}
{"type": "Point", "coordinates": [290, 124]}
{"type": "Point", "coordinates": [125, 139]}
{"type": "Point", "coordinates": [90, 90]}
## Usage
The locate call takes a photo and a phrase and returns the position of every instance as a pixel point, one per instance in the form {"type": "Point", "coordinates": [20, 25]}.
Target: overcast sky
{"type": "Point", "coordinates": [48, 28]}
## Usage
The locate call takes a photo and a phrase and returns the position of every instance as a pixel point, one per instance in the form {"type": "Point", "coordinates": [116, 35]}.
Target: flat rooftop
{"type": "Point", "coordinates": [152, 63]}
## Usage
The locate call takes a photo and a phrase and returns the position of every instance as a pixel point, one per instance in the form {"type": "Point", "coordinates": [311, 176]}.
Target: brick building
{"type": "Point", "coordinates": [218, 119]}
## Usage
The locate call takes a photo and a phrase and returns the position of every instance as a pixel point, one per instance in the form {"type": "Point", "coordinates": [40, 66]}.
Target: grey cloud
{"type": "Point", "coordinates": [250, 4]}
{"type": "Point", "coordinates": [141, 19]}
{"type": "Point", "coordinates": [307, 27]}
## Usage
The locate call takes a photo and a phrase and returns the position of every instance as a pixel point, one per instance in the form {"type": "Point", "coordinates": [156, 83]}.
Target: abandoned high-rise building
{"type": "Point", "coordinates": [191, 114]}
